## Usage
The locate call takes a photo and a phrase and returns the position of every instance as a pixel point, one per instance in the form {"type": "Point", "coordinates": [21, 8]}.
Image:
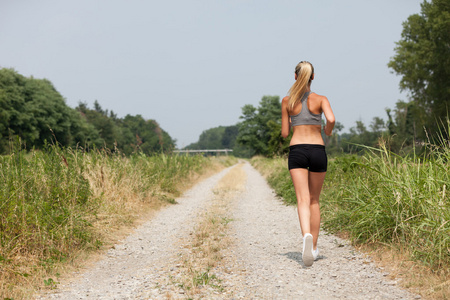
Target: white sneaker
{"type": "Point", "coordinates": [316, 253]}
{"type": "Point", "coordinates": [307, 255]}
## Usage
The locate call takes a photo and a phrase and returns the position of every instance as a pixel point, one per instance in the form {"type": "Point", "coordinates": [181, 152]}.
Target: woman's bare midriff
{"type": "Point", "coordinates": [307, 134]}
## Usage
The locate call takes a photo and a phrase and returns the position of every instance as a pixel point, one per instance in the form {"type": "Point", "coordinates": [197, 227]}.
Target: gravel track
{"type": "Point", "coordinates": [263, 262]}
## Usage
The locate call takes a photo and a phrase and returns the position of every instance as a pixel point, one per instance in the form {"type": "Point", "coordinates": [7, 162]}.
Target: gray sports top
{"type": "Point", "coordinates": [305, 117]}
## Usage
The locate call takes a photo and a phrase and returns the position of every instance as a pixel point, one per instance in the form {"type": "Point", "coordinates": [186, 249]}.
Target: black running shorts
{"type": "Point", "coordinates": [308, 156]}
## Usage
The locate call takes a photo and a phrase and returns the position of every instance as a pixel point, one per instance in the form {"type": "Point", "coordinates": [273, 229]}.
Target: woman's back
{"type": "Point", "coordinates": [309, 133]}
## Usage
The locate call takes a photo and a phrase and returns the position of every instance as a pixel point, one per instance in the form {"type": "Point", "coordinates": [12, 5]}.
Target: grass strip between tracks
{"type": "Point", "coordinates": [202, 249]}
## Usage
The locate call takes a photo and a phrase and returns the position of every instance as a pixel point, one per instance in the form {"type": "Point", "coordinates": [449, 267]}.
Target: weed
{"type": "Point", "coordinates": [227, 220]}
{"type": "Point", "coordinates": [50, 283]}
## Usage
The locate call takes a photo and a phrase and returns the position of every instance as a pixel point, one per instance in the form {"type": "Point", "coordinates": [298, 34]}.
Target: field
{"type": "Point", "coordinates": [58, 205]}
{"type": "Point", "coordinates": [396, 208]}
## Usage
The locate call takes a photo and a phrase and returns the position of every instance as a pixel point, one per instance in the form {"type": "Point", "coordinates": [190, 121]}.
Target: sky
{"type": "Point", "coordinates": [193, 64]}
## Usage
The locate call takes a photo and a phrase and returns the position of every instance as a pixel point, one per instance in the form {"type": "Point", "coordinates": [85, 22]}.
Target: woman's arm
{"type": "Point", "coordinates": [329, 116]}
{"type": "Point", "coordinates": [285, 123]}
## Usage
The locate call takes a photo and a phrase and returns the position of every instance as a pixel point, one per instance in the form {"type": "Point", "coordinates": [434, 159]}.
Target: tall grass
{"type": "Point", "coordinates": [56, 202]}
{"type": "Point", "coordinates": [382, 197]}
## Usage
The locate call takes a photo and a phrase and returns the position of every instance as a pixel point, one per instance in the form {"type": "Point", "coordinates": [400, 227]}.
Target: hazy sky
{"type": "Point", "coordinates": [192, 65]}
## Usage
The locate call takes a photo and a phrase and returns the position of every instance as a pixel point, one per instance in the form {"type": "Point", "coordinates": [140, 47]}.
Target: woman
{"type": "Point", "coordinates": [302, 110]}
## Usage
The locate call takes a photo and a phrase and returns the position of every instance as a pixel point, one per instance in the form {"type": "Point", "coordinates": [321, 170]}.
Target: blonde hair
{"type": "Point", "coordinates": [304, 71]}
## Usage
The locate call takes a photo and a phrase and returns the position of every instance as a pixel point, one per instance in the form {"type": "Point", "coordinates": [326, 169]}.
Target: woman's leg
{"type": "Point", "coordinates": [315, 187]}
{"type": "Point", "coordinates": [301, 186]}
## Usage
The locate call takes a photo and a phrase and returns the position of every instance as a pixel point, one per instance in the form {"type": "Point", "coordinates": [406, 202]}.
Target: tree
{"type": "Point", "coordinates": [144, 135]}
{"type": "Point", "coordinates": [255, 131]}
{"type": "Point", "coordinates": [423, 60]}
{"type": "Point", "coordinates": [84, 134]}
{"type": "Point", "coordinates": [378, 126]}
{"type": "Point", "coordinates": [211, 138]}
{"type": "Point", "coordinates": [229, 136]}
{"type": "Point", "coordinates": [12, 102]}
{"type": "Point", "coordinates": [51, 117]}
{"type": "Point", "coordinates": [105, 126]}
{"type": "Point", "coordinates": [222, 137]}
{"type": "Point", "coordinates": [360, 135]}
{"type": "Point", "coordinates": [35, 111]}
{"type": "Point", "coordinates": [128, 135]}
{"type": "Point", "coordinates": [404, 125]}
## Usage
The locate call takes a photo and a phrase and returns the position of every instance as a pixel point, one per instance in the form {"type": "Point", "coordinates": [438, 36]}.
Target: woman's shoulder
{"type": "Point", "coordinates": [318, 98]}
{"type": "Point", "coordinates": [315, 95]}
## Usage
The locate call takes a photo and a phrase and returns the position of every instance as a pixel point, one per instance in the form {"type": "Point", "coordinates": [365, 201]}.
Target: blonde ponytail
{"type": "Point", "coordinates": [304, 71]}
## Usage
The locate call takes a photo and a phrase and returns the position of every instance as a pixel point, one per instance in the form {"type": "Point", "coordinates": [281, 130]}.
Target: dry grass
{"type": "Point", "coordinates": [204, 245]}
{"type": "Point", "coordinates": [121, 198]}
{"type": "Point", "coordinates": [129, 205]}
{"type": "Point", "coordinates": [415, 277]}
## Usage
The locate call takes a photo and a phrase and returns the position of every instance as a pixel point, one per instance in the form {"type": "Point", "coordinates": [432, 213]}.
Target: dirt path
{"type": "Point", "coordinates": [251, 249]}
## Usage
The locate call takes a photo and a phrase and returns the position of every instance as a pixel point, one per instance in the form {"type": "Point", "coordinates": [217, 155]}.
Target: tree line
{"type": "Point", "coordinates": [34, 111]}
{"type": "Point", "coordinates": [422, 59]}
